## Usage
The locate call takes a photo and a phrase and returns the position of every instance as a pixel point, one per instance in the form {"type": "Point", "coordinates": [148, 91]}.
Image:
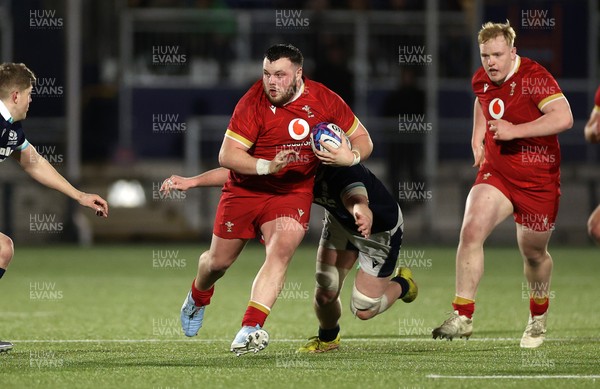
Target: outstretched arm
{"type": "Point", "coordinates": [211, 178]}
{"type": "Point", "coordinates": [44, 173]}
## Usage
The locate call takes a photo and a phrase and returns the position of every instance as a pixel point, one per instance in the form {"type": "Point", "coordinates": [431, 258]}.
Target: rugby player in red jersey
{"type": "Point", "coordinates": [269, 190]}
{"type": "Point", "coordinates": [519, 110]}
{"type": "Point", "coordinates": [592, 135]}
{"type": "Point", "coordinates": [362, 222]}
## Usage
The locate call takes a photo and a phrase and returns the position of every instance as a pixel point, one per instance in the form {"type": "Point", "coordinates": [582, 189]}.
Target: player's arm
{"type": "Point", "coordinates": [591, 130]}
{"type": "Point", "coordinates": [212, 178]}
{"type": "Point", "coordinates": [356, 201]}
{"type": "Point", "coordinates": [479, 127]}
{"type": "Point", "coordinates": [44, 173]}
{"type": "Point", "coordinates": [234, 156]}
{"type": "Point", "coordinates": [359, 149]}
{"type": "Point", "coordinates": [361, 142]}
{"type": "Point", "coordinates": [556, 118]}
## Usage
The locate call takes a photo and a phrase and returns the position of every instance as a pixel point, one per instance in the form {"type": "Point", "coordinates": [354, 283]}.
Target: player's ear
{"type": "Point", "coordinates": [299, 72]}
{"type": "Point", "coordinates": [513, 52]}
{"type": "Point", "coordinates": [14, 96]}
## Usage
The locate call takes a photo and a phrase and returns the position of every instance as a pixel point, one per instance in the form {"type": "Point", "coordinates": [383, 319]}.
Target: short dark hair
{"type": "Point", "coordinates": [14, 75]}
{"type": "Point", "coordinates": [285, 50]}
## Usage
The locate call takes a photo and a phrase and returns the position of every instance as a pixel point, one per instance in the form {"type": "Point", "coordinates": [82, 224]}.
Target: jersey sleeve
{"type": "Point", "coordinates": [22, 141]}
{"type": "Point", "coordinates": [542, 87]}
{"type": "Point", "coordinates": [342, 114]}
{"type": "Point", "coordinates": [244, 123]}
{"type": "Point", "coordinates": [477, 82]}
{"type": "Point", "coordinates": [351, 181]}
{"type": "Point", "coordinates": [597, 100]}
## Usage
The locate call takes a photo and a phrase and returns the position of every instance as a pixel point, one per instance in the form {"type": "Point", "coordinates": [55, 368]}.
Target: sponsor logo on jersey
{"type": "Point", "coordinates": [496, 108]}
{"type": "Point", "coordinates": [485, 87]}
{"type": "Point", "coordinates": [5, 151]}
{"type": "Point", "coordinates": [298, 129]}
{"type": "Point", "coordinates": [12, 138]}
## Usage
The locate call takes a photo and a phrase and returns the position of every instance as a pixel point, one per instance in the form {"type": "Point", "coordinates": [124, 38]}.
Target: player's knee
{"type": "Point", "coordinates": [470, 233]}
{"type": "Point", "coordinates": [362, 306]}
{"type": "Point", "coordinates": [7, 250]}
{"type": "Point", "coordinates": [214, 264]}
{"type": "Point", "coordinates": [327, 277]}
{"type": "Point", "coordinates": [535, 256]}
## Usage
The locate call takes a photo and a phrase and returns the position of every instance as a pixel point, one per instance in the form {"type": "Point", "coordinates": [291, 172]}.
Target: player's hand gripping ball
{"type": "Point", "coordinates": [328, 133]}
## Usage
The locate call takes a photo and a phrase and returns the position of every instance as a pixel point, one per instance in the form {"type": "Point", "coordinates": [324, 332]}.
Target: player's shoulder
{"type": "Point", "coordinates": [252, 100]}
{"type": "Point", "coordinates": [529, 66]}
{"type": "Point", "coordinates": [255, 92]}
{"type": "Point", "coordinates": [479, 77]}
{"type": "Point", "coordinates": [316, 88]}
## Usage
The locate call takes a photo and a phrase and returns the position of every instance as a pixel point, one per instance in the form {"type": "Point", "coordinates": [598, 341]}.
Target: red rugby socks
{"type": "Point", "coordinates": [201, 297]}
{"type": "Point", "coordinates": [539, 306]}
{"type": "Point", "coordinates": [464, 306]}
{"type": "Point", "coordinates": [256, 313]}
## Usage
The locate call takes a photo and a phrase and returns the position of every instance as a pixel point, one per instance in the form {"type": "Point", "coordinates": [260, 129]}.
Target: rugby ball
{"type": "Point", "coordinates": [328, 133]}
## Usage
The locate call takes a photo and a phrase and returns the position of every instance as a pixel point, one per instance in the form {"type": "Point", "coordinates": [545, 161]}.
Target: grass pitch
{"type": "Point", "coordinates": [108, 317]}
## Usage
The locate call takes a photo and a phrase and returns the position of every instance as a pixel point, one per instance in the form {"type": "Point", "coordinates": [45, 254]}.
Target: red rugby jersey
{"type": "Point", "coordinates": [519, 99]}
{"type": "Point", "coordinates": [267, 129]}
{"type": "Point", "coordinates": [597, 100]}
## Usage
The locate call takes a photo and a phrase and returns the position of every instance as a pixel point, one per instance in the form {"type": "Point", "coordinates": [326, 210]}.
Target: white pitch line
{"type": "Point", "coordinates": [200, 340]}
{"type": "Point", "coordinates": [513, 377]}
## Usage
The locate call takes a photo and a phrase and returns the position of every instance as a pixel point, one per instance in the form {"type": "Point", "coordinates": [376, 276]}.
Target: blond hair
{"type": "Point", "coordinates": [14, 76]}
{"type": "Point", "coordinates": [491, 30]}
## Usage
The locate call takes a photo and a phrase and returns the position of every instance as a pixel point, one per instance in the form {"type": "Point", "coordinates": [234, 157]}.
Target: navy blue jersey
{"type": "Point", "coordinates": [11, 138]}
{"type": "Point", "coordinates": [332, 182]}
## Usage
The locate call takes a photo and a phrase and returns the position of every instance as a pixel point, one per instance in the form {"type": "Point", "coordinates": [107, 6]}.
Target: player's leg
{"type": "Point", "coordinates": [212, 265]}
{"type": "Point", "coordinates": [7, 251]}
{"type": "Point", "coordinates": [593, 225]}
{"type": "Point", "coordinates": [538, 272]}
{"type": "Point", "coordinates": [6, 254]}
{"type": "Point", "coordinates": [332, 267]}
{"type": "Point", "coordinates": [486, 207]}
{"type": "Point", "coordinates": [367, 288]}
{"type": "Point", "coordinates": [232, 228]}
{"type": "Point", "coordinates": [535, 218]}
{"type": "Point", "coordinates": [375, 289]}
{"type": "Point", "coordinates": [283, 220]}
{"type": "Point", "coordinates": [282, 237]}
{"type": "Point", "coordinates": [369, 296]}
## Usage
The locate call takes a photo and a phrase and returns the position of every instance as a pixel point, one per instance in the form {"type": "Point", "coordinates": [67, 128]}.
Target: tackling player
{"type": "Point", "coordinates": [592, 135]}
{"type": "Point", "coordinates": [362, 221]}
{"type": "Point", "coordinates": [16, 84]}
{"type": "Point", "coordinates": [269, 190]}
{"type": "Point", "coordinates": [518, 112]}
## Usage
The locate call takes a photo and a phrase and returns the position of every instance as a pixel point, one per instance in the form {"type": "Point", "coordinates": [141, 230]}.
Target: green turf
{"type": "Point", "coordinates": [108, 317]}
